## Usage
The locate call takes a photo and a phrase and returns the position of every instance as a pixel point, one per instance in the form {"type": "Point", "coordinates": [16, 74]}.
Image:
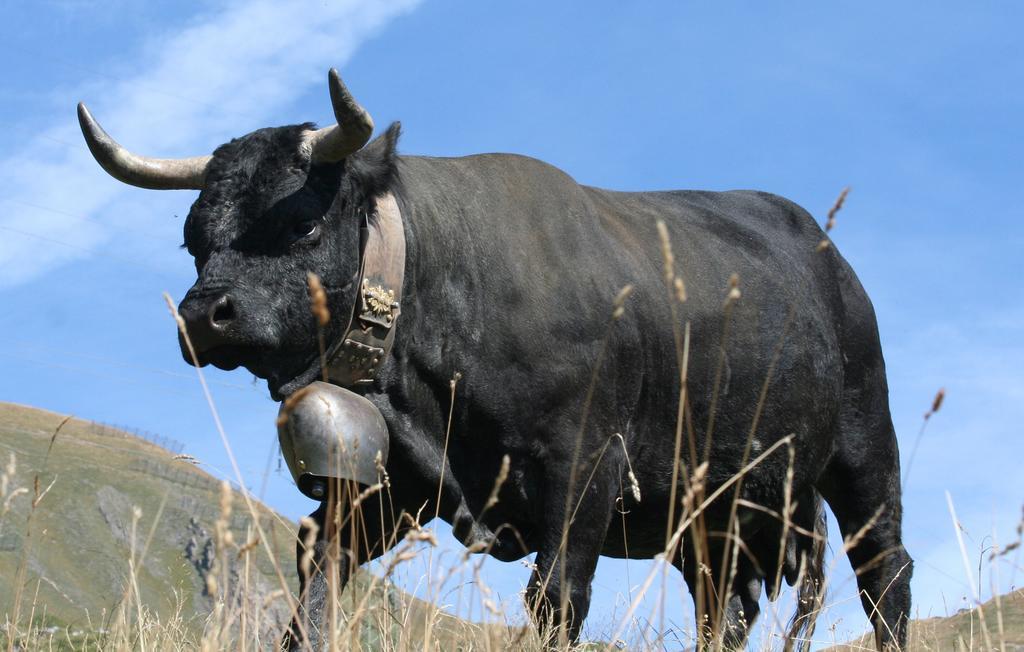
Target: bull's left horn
{"type": "Point", "coordinates": [141, 171]}
{"type": "Point", "coordinates": [354, 128]}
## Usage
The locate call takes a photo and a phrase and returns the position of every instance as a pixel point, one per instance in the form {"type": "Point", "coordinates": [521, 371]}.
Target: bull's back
{"type": "Point", "coordinates": [539, 258]}
{"type": "Point", "coordinates": [504, 205]}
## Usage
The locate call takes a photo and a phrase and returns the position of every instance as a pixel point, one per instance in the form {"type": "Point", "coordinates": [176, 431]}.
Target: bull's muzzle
{"type": "Point", "coordinates": [210, 319]}
{"type": "Point", "coordinates": [330, 433]}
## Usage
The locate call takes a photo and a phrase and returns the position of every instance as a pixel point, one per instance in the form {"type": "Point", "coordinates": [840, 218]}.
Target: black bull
{"type": "Point", "coordinates": [511, 272]}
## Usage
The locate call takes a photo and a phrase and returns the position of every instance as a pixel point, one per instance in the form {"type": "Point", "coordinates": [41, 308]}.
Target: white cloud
{"type": "Point", "coordinates": [191, 90]}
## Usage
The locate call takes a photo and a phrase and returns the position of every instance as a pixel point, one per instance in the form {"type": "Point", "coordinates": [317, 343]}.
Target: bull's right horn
{"type": "Point", "coordinates": [353, 129]}
{"type": "Point", "coordinates": [141, 171]}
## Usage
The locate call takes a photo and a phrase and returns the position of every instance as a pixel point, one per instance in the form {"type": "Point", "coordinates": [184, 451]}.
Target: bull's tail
{"type": "Point", "coordinates": [810, 575]}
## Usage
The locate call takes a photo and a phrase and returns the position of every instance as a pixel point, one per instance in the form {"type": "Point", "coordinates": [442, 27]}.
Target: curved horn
{"type": "Point", "coordinates": [141, 171]}
{"type": "Point", "coordinates": [354, 128]}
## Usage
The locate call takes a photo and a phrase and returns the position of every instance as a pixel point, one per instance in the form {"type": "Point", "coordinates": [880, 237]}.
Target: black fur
{"type": "Point", "coordinates": [511, 270]}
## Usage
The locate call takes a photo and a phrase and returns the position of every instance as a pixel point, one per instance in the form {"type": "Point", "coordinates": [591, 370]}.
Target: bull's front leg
{"type": "Point", "coordinates": [558, 595]}
{"type": "Point", "coordinates": [311, 552]}
{"type": "Point", "coordinates": [332, 546]}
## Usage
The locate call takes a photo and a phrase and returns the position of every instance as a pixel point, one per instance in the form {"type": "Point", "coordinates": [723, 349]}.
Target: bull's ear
{"type": "Point", "coordinates": [374, 166]}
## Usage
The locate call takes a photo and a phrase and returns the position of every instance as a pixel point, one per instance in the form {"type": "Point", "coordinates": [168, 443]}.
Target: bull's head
{"type": "Point", "coordinates": [273, 205]}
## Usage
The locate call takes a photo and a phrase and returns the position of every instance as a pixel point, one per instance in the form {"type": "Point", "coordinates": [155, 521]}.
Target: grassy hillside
{"type": "Point", "coordinates": [106, 493]}
{"type": "Point", "coordinates": [963, 630]}
{"type": "Point", "coordinates": [122, 540]}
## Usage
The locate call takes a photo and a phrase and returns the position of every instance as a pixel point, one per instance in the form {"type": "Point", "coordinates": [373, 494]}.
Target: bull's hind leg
{"type": "Point", "coordinates": [862, 486]}
{"type": "Point", "coordinates": [740, 610]}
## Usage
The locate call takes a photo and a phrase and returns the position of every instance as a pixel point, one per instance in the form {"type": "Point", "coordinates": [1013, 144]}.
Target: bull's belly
{"type": "Point", "coordinates": [644, 533]}
{"type": "Point", "coordinates": [761, 474]}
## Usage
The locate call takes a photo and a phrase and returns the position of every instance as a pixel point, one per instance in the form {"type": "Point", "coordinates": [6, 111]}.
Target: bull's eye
{"type": "Point", "coordinates": [304, 229]}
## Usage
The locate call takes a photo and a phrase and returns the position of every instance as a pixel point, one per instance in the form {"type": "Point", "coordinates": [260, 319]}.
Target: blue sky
{"type": "Point", "coordinates": [917, 109]}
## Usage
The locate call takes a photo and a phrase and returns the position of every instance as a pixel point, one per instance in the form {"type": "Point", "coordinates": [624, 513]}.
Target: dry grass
{"type": "Point", "coordinates": [243, 610]}
{"type": "Point", "coordinates": [961, 631]}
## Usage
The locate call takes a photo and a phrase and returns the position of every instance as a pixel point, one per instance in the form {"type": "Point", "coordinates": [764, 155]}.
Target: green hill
{"type": "Point", "coordinates": [104, 493]}
{"type": "Point", "coordinates": [101, 494]}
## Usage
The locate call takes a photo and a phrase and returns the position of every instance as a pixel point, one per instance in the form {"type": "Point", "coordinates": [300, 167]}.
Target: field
{"type": "Point", "coordinates": [108, 541]}
{"type": "Point", "coordinates": [963, 630]}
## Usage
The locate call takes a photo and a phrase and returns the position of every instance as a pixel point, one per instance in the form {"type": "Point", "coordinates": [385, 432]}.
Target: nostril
{"type": "Point", "coordinates": [222, 312]}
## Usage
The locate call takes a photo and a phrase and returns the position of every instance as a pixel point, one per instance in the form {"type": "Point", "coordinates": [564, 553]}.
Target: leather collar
{"type": "Point", "coordinates": [367, 340]}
